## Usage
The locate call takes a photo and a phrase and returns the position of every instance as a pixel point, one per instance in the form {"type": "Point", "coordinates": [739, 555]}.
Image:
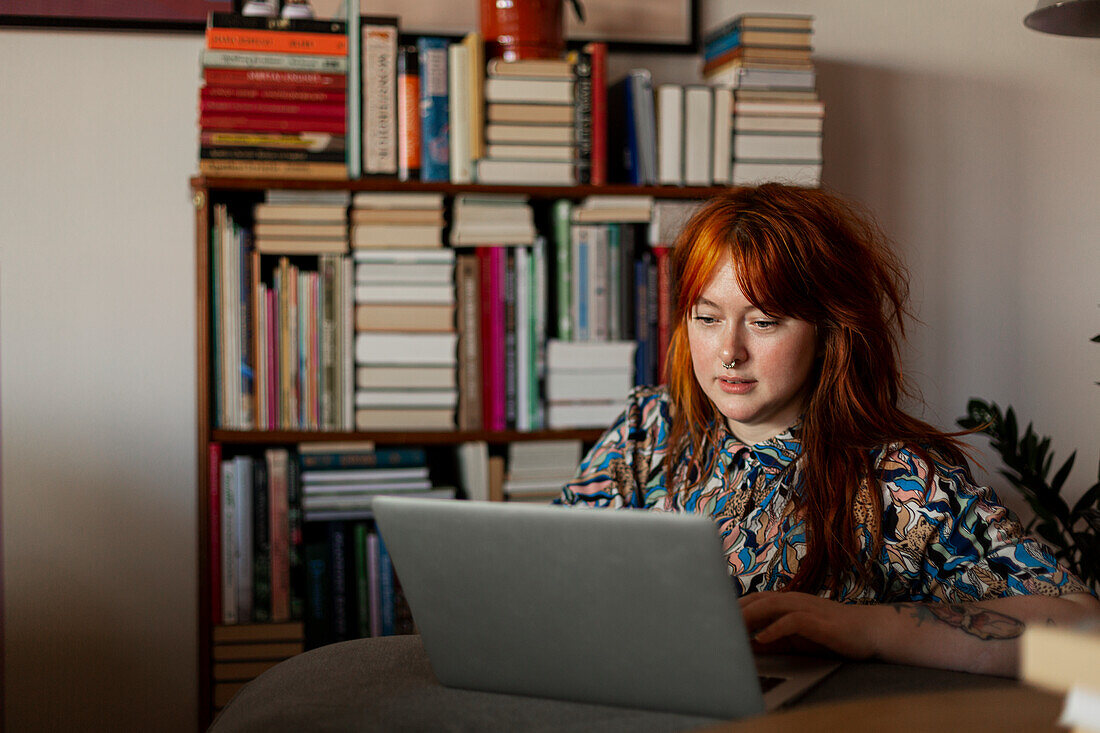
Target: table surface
{"type": "Point", "coordinates": [387, 683]}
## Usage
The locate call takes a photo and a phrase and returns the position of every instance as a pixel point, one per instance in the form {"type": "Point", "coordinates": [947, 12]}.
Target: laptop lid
{"type": "Point", "coordinates": [630, 608]}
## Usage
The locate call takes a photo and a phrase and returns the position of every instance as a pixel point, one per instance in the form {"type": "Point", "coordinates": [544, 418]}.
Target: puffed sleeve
{"type": "Point", "coordinates": [619, 470]}
{"type": "Point", "coordinates": [953, 541]}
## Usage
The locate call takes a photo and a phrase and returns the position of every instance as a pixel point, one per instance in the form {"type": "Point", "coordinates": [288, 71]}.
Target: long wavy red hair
{"type": "Point", "coordinates": [807, 254]}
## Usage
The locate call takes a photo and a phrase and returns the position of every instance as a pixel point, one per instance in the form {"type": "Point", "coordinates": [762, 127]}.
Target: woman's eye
{"type": "Point", "coordinates": [706, 320]}
{"type": "Point", "coordinates": [764, 324]}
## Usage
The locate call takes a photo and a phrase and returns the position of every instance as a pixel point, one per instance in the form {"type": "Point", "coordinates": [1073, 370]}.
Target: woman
{"type": "Point", "coordinates": [849, 526]}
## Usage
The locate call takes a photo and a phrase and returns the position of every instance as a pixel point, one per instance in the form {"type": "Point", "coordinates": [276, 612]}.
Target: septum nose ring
{"type": "Point", "coordinates": [731, 365]}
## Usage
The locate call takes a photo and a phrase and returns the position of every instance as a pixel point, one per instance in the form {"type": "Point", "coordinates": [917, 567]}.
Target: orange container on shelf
{"type": "Point", "coordinates": [523, 29]}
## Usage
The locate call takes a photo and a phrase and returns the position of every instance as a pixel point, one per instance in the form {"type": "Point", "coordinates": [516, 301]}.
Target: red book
{"type": "Point", "coordinates": [408, 114]}
{"type": "Point", "coordinates": [492, 261]}
{"type": "Point", "coordinates": [257, 93]}
{"type": "Point", "coordinates": [249, 39]}
{"type": "Point", "coordinates": [598, 53]}
{"type": "Point", "coordinates": [276, 108]}
{"type": "Point", "coordinates": [275, 78]}
{"type": "Point", "coordinates": [214, 512]}
{"type": "Point", "coordinates": [664, 297]}
{"type": "Point", "coordinates": [258, 123]}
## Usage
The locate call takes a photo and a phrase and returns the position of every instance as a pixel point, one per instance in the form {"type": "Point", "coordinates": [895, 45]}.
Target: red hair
{"type": "Point", "coordinates": [809, 255]}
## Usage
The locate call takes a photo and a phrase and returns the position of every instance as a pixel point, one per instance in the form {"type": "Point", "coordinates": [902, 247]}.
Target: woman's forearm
{"type": "Point", "coordinates": [972, 637]}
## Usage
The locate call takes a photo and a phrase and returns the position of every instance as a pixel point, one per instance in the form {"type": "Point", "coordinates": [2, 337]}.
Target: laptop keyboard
{"type": "Point", "coordinates": [768, 683]}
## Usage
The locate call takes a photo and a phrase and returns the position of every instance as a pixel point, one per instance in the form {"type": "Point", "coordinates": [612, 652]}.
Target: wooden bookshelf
{"type": "Point", "coordinates": [208, 190]}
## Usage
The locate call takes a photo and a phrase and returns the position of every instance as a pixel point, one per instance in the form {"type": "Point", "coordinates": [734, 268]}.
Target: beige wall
{"type": "Point", "coordinates": [971, 137]}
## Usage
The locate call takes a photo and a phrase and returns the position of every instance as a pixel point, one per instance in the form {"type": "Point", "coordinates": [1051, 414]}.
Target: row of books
{"type": "Point", "coordinates": [292, 539]}
{"type": "Point", "coordinates": [405, 333]}
{"type": "Point", "coordinates": [765, 102]}
{"type": "Point", "coordinates": [264, 512]}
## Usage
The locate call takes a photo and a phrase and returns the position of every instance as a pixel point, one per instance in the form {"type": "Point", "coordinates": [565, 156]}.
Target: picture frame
{"type": "Point", "coordinates": [148, 15]}
{"type": "Point", "coordinates": [626, 25]}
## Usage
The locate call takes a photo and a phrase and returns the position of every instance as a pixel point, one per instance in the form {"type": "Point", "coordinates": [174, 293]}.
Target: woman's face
{"type": "Point", "coordinates": [766, 391]}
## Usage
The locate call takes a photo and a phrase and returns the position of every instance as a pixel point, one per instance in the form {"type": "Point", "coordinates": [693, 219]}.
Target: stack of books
{"type": "Point", "coordinates": [777, 115]}
{"type": "Point", "coordinates": [302, 223]}
{"type": "Point", "coordinates": [243, 652]}
{"type": "Point", "coordinates": [273, 103]}
{"type": "Point", "coordinates": [530, 132]}
{"type": "Point", "coordinates": [587, 382]}
{"type": "Point", "coordinates": [394, 220]}
{"type": "Point", "coordinates": [344, 488]}
{"type": "Point", "coordinates": [538, 469]}
{"type": "Point", "coordinates": [405, 335]}
{"type": "Point", "coordinates": [492, 219]}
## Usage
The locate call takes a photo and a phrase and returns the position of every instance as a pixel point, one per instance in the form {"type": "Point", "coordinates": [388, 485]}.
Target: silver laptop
{"type": "Point", "coordinates": [629, 608]}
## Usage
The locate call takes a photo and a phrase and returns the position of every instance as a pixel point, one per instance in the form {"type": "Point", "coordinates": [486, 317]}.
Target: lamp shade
{"type": "Point", "coordinates": [1066, 17]}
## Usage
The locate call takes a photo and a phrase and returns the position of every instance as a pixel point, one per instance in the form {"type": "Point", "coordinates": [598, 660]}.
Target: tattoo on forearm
{"type": "Point", "coordinates": [974, 620]}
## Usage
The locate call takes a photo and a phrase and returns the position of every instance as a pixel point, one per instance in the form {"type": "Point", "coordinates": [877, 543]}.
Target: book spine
{"type": "Point", "coordinates": [271, 123]}
{"type": "Point", "coordinates": [641, 321]}
{"type": "Point", "coordinates": [274, 79]}
{"type": "Point", "coordinates": [580, 261]}
{"type": "Point", "coordinates": [277, 461]}
{"type": "Point", "coordinates": [408, 114]}
{"type": "Point", "coordinates": [242, 470]}
{"type": "Point", "coordinates": [274, 61]}
{"type": "Point", "coordinates": [273, 108]}
{"type": "Point", "coordinates": [296, 548]}
{"type": "Point", "coordinates": [563, 274]}
{"type": "Point", "coordinates": [459, 113]}
{"type": "Point", "coordinates": [338, 549]}
{"type": "Point", "coordinates": [214, 527]}
{"type": "Point", "coordinates": [276, 41]}
{"type": "Point", "coordinates": [362, 592]}
{"type": "Point", "coordinates": [229, 542]}
{"type": "Point", "coordinates": [379, 97]}
{"type": "Point", "coordinates": [540, 293]}
{"type": "Point", "coordinates": [386, 604]}
{"type": "Point", "coordinates": [254, 93]}
{"type": "Point", "coordinates": [598, 54]}
{"type": "Point", "coordinates": [261, 544]}
{"type": "Point", "coordinates": [614, 283]}
{"type": "Point", "coordinates": [225, 152]}
{"type": "Point", "coordinates": [511, 382]}
{"type": "Point", "coordinates": [374, 584]}
{"type": "Point", "coordinates": [273, 169]}
{"type": "Point", "coordinates": [318, 600]}
{"type": "Point", "coordinates": [379, 458]}
{"type": "Point", "coordinates": [469, 363]}
{"type": "Point", "coordinates": [435, 164]}
{"type": "Point", "coordinates": [582, 115]}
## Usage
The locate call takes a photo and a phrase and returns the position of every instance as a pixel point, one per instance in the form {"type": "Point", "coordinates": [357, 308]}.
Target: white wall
{"type": "Point", "coordinates": [972, 138]}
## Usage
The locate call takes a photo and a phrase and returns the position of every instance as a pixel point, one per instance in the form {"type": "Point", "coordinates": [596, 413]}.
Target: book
{"type": "Point", "coordinates": [583, 354]}
{"type": "Point", "coordinates": [472, 458]}
{"type": "Point", "coordinates": [270, 123]}
{"type": "Point", "coordinates": [570, 415]}
{"type": "Point", "coordinates": [777, 124]}
{"type": "Point", "coordinates": [582, 114]}
{"type": "Point", "coordinates": [273, 79]}
{"type": "Point", "coordinates": [304, 230]}
{"type": "Point", "coordinates": [434, 109]}
{"type": "Point", "coordinates": [412, 293]}
{"type": "Point", "coordinates": [698, 135]}
{"type": "Point", "coordinates": [476, 93]}
{"type": "Point", "coordinates": [467, 287]}
{"type": "Point", "coordinates": [670, 134]}
{"type": "Point", "coordinates": [404, 419]}
{"type": "Point", "coordinates": [668, 218]}
{"type": "Point", "coordinates": [404, 317]}
{"type": "Point", "coordinates": [382, 377]}
{"type": "Point", "coordinates": [787, 109]}
{"type": "Point", "coordinates": [762, 147]}
{"type": "Point", "coordinates": [214, 529]}
{"type": "Point", "coordinates": [397, 216]}
{"type": "Point", "coordinates": [398, 348]}
{"type": "Point", "coordinates": [531, 152]}
{"type": "Point", "coordinates": [408, 113]}
{"type": "Point", "coordinates": [532, 172]}
{"type": "Point", "coordinates": [598, 54]}
{"type": "Point", "coordinates": [527, 113]}
{"type": "Point", "coordinates": [326, 455]}
{"type": "Point", "coordinates": [264, 108]}
{"type": "Point", "coordinates": [300, 246]}
{"type": "Point", "coordinates": [263, 92]}
{"type": "Point", "coordinates": [722, 126]}
{"type": "Point", "coordinates": [589, 384]}
{"type": "Point", "coordinates": [420, 397]}
{"type": "Point", "coordinates": [378, 48]}
{"type": "Point", "coordinates": [278, 41]}
{"type": "Point", "coordinates": [530, 134]}
{"type": "Point", "coordinates": [387, 236]}
{"type": "Point", "coordinates": [749, 21]}
{"type": "Point", "coordinates": [278, 468]}
{"type": "Point", "coordinates": [328, 480]}
{"type": "Point", "coordinates": [388, 200]}
{"type": "Point", "coordinates": [563, 248]}
{"type": "Point", "coordinates": [312, 213]}
{"type": "Point", "coordinates": [549, 91]}
{"type": "Point", "coordinates": [458, 111]}
{"type": "Point", "coordinates": [541, 68]}
{"type": "Point", "coordinates": [221, 19]}
{"type": "Point", "coordinates": [750, 173]}
{"type": "Point", "coordinates": [789, 57]}
{"type": "Point", "coordinates": [492, 272]}
{"type": "Point", "coordinates": [291, 62]}
{"type": "Point", "coordinates": [354, 89]}
{"type": "Point", "coordinates": [401, 273]}
{"type": "Point", "coordinates": [261, 543]}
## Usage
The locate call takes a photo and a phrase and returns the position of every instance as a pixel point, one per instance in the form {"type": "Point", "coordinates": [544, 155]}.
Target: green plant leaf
{"type": "Point", "coordinates": [1088, 500]}
{"type": "Point", "coordinates": [1049, 532]}
{"type": "Point", "coordinates": [1010, 431]}
{"type": "Point", "coordinates": [1063, 472]}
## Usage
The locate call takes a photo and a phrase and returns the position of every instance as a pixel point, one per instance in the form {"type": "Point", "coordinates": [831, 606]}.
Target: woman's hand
{"type": "Point", "coordinates": [800, 623]}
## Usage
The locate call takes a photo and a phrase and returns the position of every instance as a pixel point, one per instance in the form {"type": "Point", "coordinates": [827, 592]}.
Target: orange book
{"type": "Point", "coordinates": [248, 39]}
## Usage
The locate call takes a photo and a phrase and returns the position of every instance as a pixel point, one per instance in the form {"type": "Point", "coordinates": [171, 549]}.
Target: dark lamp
{"type": "Point", "coordinates": [1066, 17]}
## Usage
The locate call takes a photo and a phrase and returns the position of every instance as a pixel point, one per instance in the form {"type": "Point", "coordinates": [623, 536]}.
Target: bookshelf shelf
{"type": "Point", "coordinates": [390, 184]}
{"type": "Point", "coordinates": [454, 437]}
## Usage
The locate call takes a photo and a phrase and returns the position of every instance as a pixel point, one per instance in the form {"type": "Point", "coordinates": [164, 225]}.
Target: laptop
{"type": "Point", "coordinates": [620, 607]}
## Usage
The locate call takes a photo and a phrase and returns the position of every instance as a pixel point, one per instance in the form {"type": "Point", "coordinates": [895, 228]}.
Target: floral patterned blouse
{"type": "Point", "coordinates": [951, 541]}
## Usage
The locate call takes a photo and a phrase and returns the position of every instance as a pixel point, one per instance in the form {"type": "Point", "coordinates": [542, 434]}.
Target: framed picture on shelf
{"type": "Point", "coordinates": [171, 15]}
